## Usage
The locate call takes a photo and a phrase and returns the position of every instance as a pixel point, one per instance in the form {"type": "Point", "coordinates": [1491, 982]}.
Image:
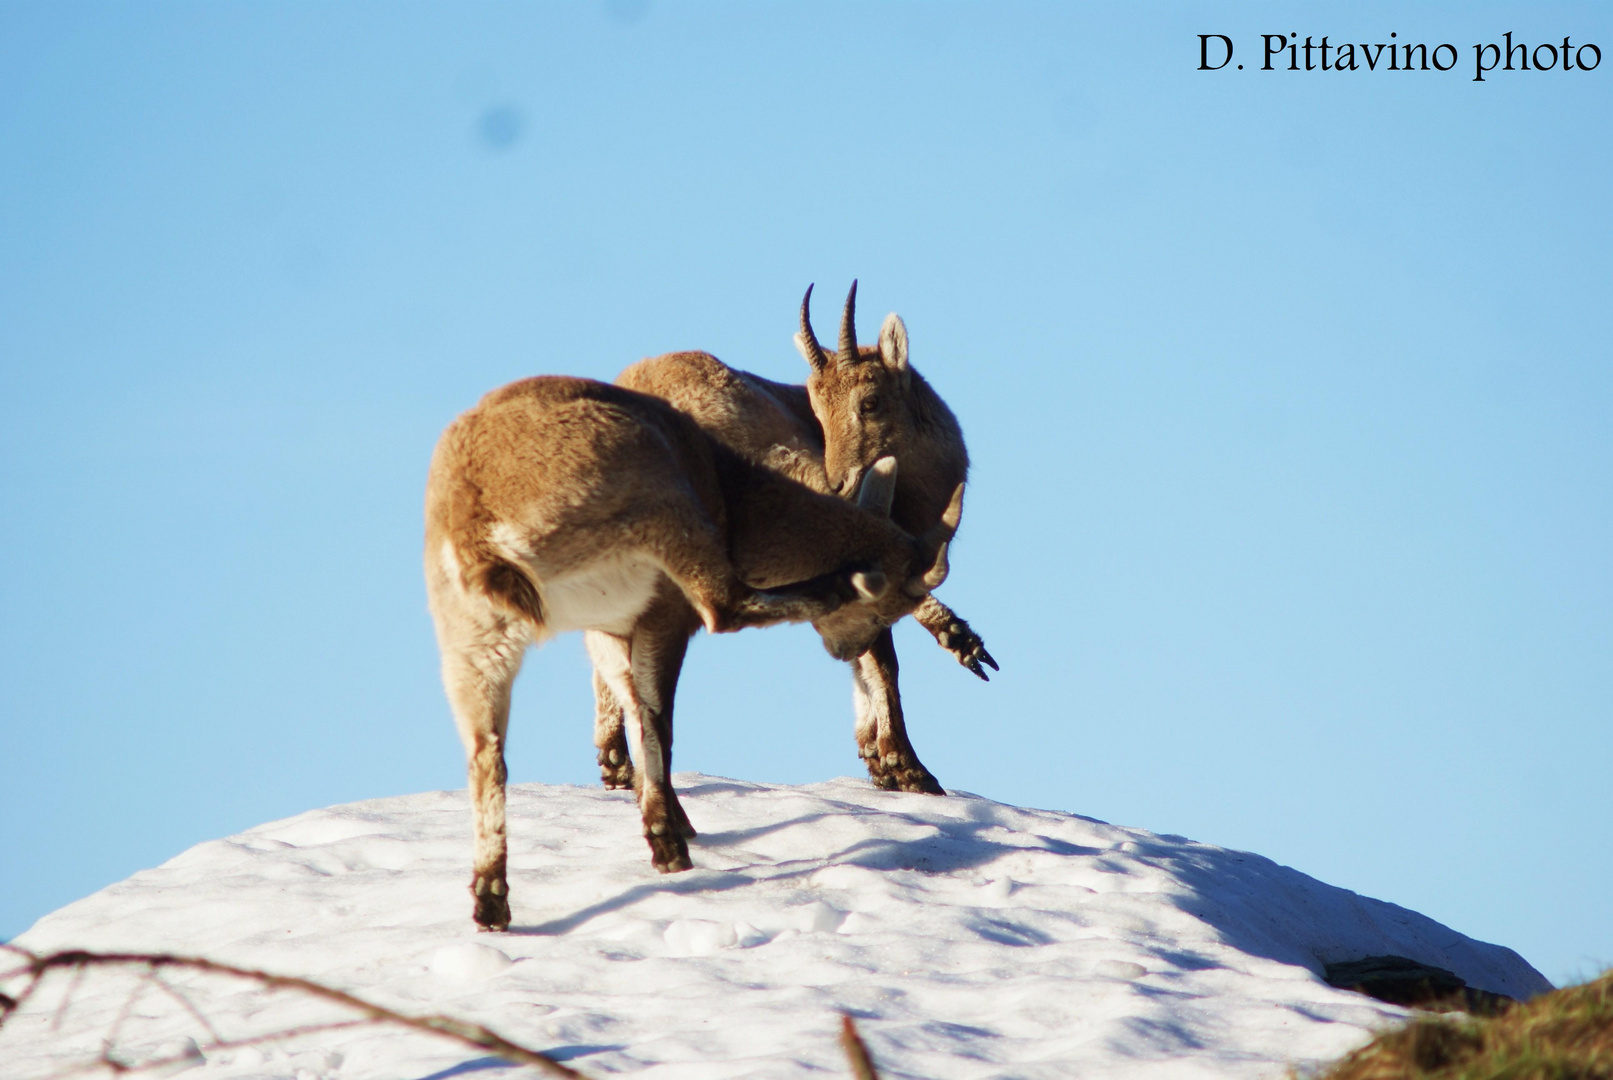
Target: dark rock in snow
{"type": "Point", "coordinates": [1400, 980]}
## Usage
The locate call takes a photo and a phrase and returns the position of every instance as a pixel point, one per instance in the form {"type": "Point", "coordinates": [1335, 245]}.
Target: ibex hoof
{"type": "Point", "coordinates": [963, 643]}
{"type": "Point", "coordinates": [668, 853]}
{"type": "Point", "coordinates": [615, 769]}
{"type": "Point", "coordinates": [897, 772]}
{"type": "Point", "coordinates": [492, 910]}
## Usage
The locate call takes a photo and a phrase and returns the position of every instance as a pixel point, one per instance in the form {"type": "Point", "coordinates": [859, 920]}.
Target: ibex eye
{"type": "Point", "coordinates": [870, 403]}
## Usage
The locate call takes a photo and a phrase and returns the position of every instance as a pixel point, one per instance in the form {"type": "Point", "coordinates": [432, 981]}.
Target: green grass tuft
{"type": "Point", "coordinates": [1564, 1035]}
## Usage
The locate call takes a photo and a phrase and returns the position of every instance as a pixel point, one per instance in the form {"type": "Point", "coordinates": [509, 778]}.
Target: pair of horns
{"type": "Point", "coordinates": [848, 332]}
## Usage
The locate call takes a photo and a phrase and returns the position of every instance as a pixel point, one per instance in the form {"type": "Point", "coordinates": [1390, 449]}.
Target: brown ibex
{"type": "Point", "coordinates": [858, 405]}
{"type": "Point", "coordinates": [566, 504]}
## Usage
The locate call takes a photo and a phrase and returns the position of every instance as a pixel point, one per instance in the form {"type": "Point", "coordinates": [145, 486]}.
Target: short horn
{"type": "Point", "coordinates": [937, 539]}
{"type": "Point", "coordinates": [937, 573]}
{"type": "Point", "coordinates": [806, 340]}
{"type": "Point", "coordinates": [921, 585]}
{"type": "Point", "coordinates": [849, 353]}
{"type": "Point", "coordinates": [954, 511]}
{"type": "Point", "coordinates": [878, 488]}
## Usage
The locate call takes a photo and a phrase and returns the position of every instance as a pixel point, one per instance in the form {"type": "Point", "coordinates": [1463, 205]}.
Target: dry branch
{"type": "Point", "coordinates": [34, 968]}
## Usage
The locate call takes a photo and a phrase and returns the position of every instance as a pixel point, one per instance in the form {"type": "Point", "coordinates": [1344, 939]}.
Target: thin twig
{"type": "Point", "coordinates": [174, 992]}
{"type": "Point", "coordinates": [111, 1041]}
{"type": "Point", "coordinates": [67, 999]}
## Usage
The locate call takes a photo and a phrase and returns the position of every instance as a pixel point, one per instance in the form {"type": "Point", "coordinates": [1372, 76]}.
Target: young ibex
{"type": "Point", "coordinates": [858, 405]}
{"type": "Point", "coordinates": [566, 504]}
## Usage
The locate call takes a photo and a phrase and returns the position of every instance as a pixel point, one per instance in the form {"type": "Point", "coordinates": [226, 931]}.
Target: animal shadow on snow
{"type": "Point", "coordinates": [556, 1053]}
{"type": "Point", "coordinates": [465, 1068]}
{"type": "Point", "coordinates": [953, 846]}
{"type": "Point", "coordinates": [691, 881]}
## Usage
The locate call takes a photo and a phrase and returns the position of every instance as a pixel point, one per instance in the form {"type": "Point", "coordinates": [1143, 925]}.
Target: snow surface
{"type": "Point", "coordinates": [969, 938]}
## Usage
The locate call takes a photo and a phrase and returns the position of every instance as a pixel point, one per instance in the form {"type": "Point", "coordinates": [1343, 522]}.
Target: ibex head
{"type": "Point", "coordinates": [908, 575]}
{"type": "Point", "coordinates": [860, 396]}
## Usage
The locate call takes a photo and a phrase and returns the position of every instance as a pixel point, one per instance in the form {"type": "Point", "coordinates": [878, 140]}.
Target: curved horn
{"type": "Point", "coordinates": [934, 576]}
{"type": "Point", "coordinates": [848, 328]}
{"type": "Point", "coordinates": [806, 340]}
{"type": "Point", "coordinates": [936, 539]}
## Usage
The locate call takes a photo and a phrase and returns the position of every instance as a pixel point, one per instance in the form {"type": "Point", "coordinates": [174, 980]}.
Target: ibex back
{"type": "Point", "coordinates": [566, 504]}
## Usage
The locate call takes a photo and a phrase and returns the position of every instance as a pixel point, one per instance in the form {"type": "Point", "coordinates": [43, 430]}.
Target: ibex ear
{"type": "Point", "coordinates": [870, 584]}
{"type": "Point", "coordinates": [878, 488]}
{"type": "Point", "coordinates": [893, 342]}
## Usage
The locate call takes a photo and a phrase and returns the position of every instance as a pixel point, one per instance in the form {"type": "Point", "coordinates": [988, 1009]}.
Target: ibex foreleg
{"type": "Point", "coordinates": [882, 740]}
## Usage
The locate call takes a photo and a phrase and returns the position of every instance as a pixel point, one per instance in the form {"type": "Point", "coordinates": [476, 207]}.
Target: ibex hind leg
{"type": "Point", "coordinates": [610, 737]}
{"type": "Point", "coordinates": [669, 852]}
{"type": "Point", "coordinates": [803, 601]}
{"type": "Point", "coordinates": [660, 643]}
{"type": "Point", "coordinates": [882, 741]}
{"type": "Point", "coordinates": [698, 564]}
{"type": "Point", "coordinates": [610, 722]}
{"type": "Point", "coordinates": [480, 660]}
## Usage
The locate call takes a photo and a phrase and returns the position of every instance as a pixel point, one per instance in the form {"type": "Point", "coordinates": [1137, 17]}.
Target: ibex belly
{"type": "Point", "coordinates": [608, 594]}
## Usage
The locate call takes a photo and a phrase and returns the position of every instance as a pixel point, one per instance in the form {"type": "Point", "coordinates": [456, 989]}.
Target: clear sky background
{"type": "Point", "coordinates": [1289, 395]}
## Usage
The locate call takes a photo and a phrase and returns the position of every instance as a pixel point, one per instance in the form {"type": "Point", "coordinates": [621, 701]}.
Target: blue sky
{"type": "Point", "coordinates": [1289, 397]}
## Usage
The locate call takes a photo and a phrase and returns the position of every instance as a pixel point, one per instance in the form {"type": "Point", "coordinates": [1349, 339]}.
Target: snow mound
{"type": "Point", "coordinates": [969, 938]}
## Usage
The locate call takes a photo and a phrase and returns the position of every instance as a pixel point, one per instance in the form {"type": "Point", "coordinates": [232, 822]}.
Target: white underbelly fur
{"type": "Point", "coordinates": [608, 594]}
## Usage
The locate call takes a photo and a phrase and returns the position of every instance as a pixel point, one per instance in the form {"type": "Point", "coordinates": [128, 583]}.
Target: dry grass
{"type": "Point", "coordinates": [1564, 1035]}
